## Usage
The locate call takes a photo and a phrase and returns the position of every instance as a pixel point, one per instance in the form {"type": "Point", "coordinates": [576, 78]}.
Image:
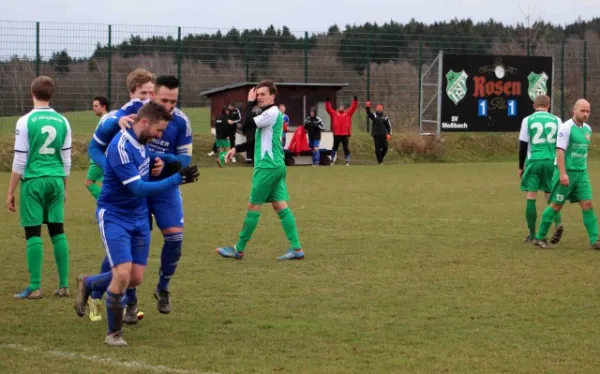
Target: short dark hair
{"type": "Point", "coordinates": [42, 88]}
{"type": "Point", "coordinates": [269, 84]}
{"type": "Point", "coordinates": [231, 103]}
{"type": "Point", "coordinates": [103, 101]}
{"type": "Point", "coordinates": [153, 112]}
{"type": "Point", "coordinates": [169, 81]}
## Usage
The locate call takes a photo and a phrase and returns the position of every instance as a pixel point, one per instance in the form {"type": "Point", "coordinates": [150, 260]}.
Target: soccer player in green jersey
{"type": "Point", "coordinates": [571, 181]}
{"type": "Point", "coordinates": [268, 179]}
{"type": "Point", "coordinates": [43, 162]}
{"type": "Point", "coordinates": [538, 147]}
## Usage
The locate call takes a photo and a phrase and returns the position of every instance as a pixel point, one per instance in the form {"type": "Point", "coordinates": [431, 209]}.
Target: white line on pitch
{"type": "Point", "coordinates": [137, 365]}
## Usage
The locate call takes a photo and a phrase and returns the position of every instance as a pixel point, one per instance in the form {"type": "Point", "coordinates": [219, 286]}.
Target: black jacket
{"type": "Point", "coordinates": [222, 127]}
{"type": "Point", "coordinates": [313, 127]}
{"type": "Point", "coordinates": [381, 125]}
{"type": "Point", "coordinates": [236, 117]}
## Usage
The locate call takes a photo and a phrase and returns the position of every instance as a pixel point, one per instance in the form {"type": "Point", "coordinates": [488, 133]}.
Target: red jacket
{"type": "Point", "coordinates": [299, 143]}
{"type": "Point", "coordinates": [341, 123]}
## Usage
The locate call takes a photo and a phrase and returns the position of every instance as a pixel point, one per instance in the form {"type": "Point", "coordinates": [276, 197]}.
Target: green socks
{"type": "Point", "coordinates": [35, 255]}
{"type": "Point", "coordinates": [531, 216]}
{"type": "Point", "coordinates": [222, 157]}
{"type": "Point", "coordinates": [248, 228]}
{"type": "Point", "coordinates": [591, 224]}
{"type": "Point", "coordinates": [558, 219]}
{"type": "Point", "coordinates": [289, 227]}
{"type": "Point", "coordinates": [94, 190]}
{"type": "Point", "coordinates": [287, 221]}
{"type": "Point", "coordinates": [61, 256]}
{"type": "Point", "coordinates": [547, 219]}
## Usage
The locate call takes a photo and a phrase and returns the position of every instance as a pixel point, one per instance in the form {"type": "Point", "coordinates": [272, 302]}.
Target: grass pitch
{"type": "Point", "coordinates": [409, 268]}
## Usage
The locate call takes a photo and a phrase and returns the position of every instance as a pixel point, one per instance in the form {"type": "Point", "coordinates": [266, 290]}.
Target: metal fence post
{"type": "Point", "coordinates": [306, 57]}
{"type": "Point", "coordinates": [246, 63]}
{"type": "Point", "coordinates": [562, 80]}
{"type": "Point", "coordinates": [109, 67]}
{"type": "Point", "coordinates": [585, 67]}
{"type": "Point", "coordinates": [368, 76]}
{"type": "Point", "coordinates": [38, 58]}
{"type": "Point", "coordinates": [420, 69]}
{"type": "Point", "coordinates": [179, 65]}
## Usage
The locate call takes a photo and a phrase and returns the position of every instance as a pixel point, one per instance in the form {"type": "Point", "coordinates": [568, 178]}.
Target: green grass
{"type": "Point", "coordinates": [84, 122]}
{"type": "Point", "coordinates": [409, 269]}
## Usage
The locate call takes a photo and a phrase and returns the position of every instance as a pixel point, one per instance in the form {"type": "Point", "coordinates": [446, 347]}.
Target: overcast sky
{"type": "Point", "coordinates": [298, 15]}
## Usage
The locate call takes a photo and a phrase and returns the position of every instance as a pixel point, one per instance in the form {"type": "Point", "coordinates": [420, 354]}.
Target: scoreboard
{"type": "Point", "coordinates": [491, 92]}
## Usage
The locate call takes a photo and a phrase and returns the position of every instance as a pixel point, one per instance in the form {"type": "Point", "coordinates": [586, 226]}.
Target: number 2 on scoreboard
{"type": "Point", "coordinates": [482, 108]}
{"type": "Point", "coordinates": [512, 108]}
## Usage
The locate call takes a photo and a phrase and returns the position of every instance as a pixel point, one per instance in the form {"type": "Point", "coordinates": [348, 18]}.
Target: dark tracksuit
{"type": "Point", "coordinates": [236, 117]}
{"type": "Point", "coordinates": [380, 129]}
{"type": "Point", "coordinates": [222, 127]}
{"type": "Point", "coordinates": [249, 130]}
{"type": "Point", "coordinates": [313, 127]}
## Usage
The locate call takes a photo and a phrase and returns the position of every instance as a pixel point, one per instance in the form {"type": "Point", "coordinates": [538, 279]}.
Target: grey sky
{"type": "Point", "coordinates": [298, 15]}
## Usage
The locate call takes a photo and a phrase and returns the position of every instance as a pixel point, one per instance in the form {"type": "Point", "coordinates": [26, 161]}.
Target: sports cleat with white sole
{"type": "Point", "coordinates": [115, 340]}
{"type": "Point", "coordinates": [29, 294]}
{"type": "Point", "coordinates": [95, 309]}
{"type": "Point", "coordinates": [557, 234]}
{"type": "Point", "coordinates": [542, 243]}
{"type": "Point", "coordinates": [83, 294]}
{"type": "Point", "coordinates": [292, 255]}
{"type": "Point", "coordinates": [529, 239]}
{"type": "Point", "coordinates": [62, 292]}
{"type": "Point", "coordinates": [230, 252]}
{"type": "Point", "coordinates": [596, 245]}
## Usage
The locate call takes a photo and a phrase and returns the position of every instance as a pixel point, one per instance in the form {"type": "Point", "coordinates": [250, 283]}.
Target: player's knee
{"type": "Point", "coordinates": [55, 229]}
{"type": "Point", "coordinates": [586, 205]}
{"type": "Point", "coordinates": [88, 183]}
{"type": "Point", "coordinates": [253, 207]}
{"type": "Point", "coordinates": [122, 276]}
{"type": "Point", "coordinates": [172, 230]}
{"type": "Point", "coordinates": [556, 207]}
{"type": "Point", "coordinates": [279, 205]}
{"type": "Point", "coordinates": [33, 231]}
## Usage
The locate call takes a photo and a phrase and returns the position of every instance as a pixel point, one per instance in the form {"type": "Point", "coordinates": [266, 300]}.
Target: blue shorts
{"type": "Point", "coordinates": [167, 209]}
{"type": "Point", "coordinates": [125, 240]}
{"type": "Point", "coordinates": [314, 143]}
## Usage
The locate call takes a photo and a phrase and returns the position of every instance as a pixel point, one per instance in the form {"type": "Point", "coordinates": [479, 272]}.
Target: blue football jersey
{"type": "Point", "coordinates": [109, 127]}
{"type": "Point", "coordinates": [126, 161]}
{"type": "Point", "coordinates": [176, 139]}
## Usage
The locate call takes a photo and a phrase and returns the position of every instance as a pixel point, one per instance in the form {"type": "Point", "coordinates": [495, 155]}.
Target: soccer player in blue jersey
{"type": "Point", "coordinates": [167, 207]}
{"type": "Point", "coordinates": [122, 213]}
{"type": "Point", "coordinates": [140, 84]}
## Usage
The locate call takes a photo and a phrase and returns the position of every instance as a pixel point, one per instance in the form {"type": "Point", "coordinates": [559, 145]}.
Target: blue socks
{"type": "Point", "coordinates": [97, 294]}
{"type": "Point", "coordinates": [316, 157]}
{"type": "Point", "coordinates": [169, 258]}
{"type": "Point", "coordinates": [98, 282]}
{"type": "Point", "coordinates": [115, 305]}
{"type": "Point", "coordinates": [131, 296]}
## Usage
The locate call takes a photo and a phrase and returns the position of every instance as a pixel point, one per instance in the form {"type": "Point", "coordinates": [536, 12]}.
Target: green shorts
{"type": "Point", "coordinates": [538, 176]}
{"type": "Point", "coordinates": [42, 201]}
{"type": "Point", "coordinates": [579, 188]}
{"type": "Point", "coordinates": [268, 185]}
{"type": "Point", "coordinates": [95, 172]}
{"type": "Point", "coordinates": [223, 143]}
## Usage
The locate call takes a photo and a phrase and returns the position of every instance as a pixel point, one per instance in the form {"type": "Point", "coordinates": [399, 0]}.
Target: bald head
{"type": "Point", "coordinates": [581, 111]}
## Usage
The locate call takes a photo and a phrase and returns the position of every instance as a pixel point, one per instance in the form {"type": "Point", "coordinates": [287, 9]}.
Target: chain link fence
{"type": "Point", "coordinates": [86, 60]}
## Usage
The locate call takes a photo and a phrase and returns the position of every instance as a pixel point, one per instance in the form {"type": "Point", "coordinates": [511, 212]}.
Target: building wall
{"type": "Point", "coordinates": [292, 97]}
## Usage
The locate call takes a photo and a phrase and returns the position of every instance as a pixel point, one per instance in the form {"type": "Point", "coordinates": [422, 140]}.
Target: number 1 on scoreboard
{"type": "Point", "coordinates": [512, 108]}
{"type": "Point", "coordinates": [482, 108]}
